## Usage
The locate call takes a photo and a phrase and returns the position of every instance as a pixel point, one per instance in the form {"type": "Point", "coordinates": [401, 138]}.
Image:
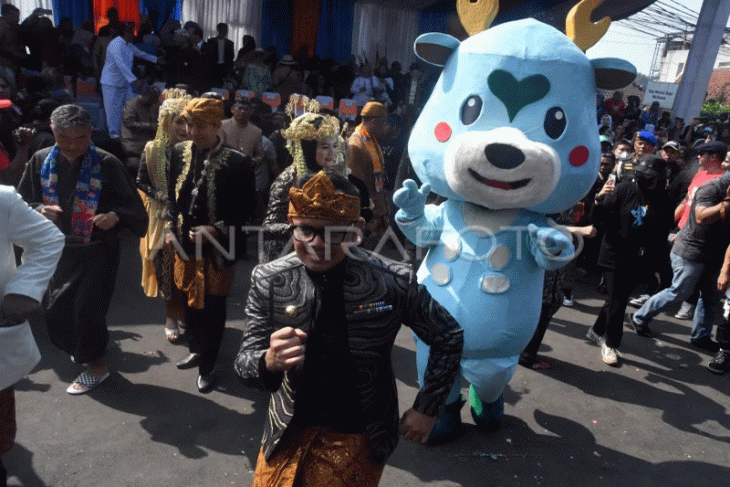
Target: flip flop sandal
{"type": "Point", "coordinates": [88, 382]}
{"type": "Point", "coordinates": [172, 334]}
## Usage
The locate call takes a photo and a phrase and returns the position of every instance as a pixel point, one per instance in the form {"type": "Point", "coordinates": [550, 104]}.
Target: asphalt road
{"type": "Point", "coordinates": [660, 419]}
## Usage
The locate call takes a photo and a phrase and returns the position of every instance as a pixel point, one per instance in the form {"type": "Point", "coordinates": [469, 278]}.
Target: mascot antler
{"type": "Point", "coordinates": [579, 28]}
{"type": "Point", "coordinates": [478, 15]}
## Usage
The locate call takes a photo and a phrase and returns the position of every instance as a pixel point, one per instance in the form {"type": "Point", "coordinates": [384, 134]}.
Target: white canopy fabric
{"type": "Point", "coordinates": [242, 16]}
{"type": "Point", "coordinates": [385, 30]}
{"type": "Point", "coordinates": [26, 7]}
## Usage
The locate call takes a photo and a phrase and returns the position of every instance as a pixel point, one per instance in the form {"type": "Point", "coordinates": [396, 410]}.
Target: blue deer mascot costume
{"type": "Point", "coordinates": [508, 136]}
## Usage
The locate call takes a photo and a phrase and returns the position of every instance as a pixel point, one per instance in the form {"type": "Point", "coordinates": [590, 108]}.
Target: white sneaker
{"type": "Point", "coordinates": [593, 337]}
{"type": "Point", "coordinates": [686, 312]}
{"type": "Point", "coordinates": [609, 355]}
{"type": "Point", "coordinates": [568, 302]}
{"type": "Point", "coordinates": [639, 302]}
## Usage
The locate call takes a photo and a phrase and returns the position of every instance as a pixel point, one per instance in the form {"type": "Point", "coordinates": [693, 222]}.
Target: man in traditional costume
{"type": "Point", "coordinates": [333, 414]}
{"type": "Point", "coordinates": [87, 193]}
{"type": "Point", "coordinates": [211, 196]}
{"type": "Point", "coordinates": [365, 160]}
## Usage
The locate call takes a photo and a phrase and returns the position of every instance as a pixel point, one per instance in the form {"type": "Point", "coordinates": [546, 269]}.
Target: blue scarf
{"type": "Point", "coordinates": [88, 189]}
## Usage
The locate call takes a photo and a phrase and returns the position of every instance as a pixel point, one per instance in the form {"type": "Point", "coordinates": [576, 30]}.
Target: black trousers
{"type": "Point", "coordinates": [610, 321]}
{"type": "Point", "coordinates": [205, 329]}
{"type": "Point", "coordinates": [723, 334]}
{"type": "Point", "coordinates": [546, 314]}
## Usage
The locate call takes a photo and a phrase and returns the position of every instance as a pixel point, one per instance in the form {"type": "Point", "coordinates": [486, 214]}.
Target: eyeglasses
{"type": "Point", "coordinates": [304, 233]}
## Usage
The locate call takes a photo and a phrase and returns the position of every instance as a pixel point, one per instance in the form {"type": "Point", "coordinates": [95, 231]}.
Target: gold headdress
{"type": "Point", "coordinates": [155, 151]}
{"type": "Point", "coordinates": [308, 126]}
{"type": "Point", "coordinates": [318, 199]}
{"type": "Point", "coordinates": [174, 102]}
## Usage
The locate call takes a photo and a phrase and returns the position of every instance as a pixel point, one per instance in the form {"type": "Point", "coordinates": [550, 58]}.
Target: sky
{"type": "Point", "coordinates": [630, 45]}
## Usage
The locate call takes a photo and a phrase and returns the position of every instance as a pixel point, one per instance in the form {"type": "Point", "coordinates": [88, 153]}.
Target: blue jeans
{"type": "Point", "coordinates": [687, 275]}
{"type": "Point", "coordinates": [708, 310]}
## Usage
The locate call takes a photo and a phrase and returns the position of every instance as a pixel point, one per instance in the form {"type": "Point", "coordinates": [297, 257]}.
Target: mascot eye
{"type": "Point", "coordinates": [555, 122]}
{"type": "Point", "coordinates": [471, 110]}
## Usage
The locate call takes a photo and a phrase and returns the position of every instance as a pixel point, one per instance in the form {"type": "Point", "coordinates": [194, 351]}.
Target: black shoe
{"type": "Point", "coordinates": [641, 330]}
{"type": "Point", "coordinates": [706, 343]}
{"type": "Point", "coordinates": [527, 359]}
{"type": "Point", "coordinates": [721, 363]}
{"type": "Point", "coordinates": [192, 360]}
{"type": "Point", "coordinates": [206, 383]}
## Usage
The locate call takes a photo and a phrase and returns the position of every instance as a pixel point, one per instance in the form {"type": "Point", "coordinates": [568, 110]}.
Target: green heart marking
{"type": "Point", "coordinates": [516, 95]}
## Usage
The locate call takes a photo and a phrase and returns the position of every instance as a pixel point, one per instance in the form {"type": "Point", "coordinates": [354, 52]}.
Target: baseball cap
{"type": "Point", "coordinates": [672, 144]}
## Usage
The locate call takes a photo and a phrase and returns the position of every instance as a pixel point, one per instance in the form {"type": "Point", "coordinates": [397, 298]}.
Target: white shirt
{"type": "Point", "coordinates": [362, 89]}
{"type": "Point", "coordinates": [120, 56]}
{"type": "Point", "coordinates": [221, 50]}
{"type": "Point", "coordinates": [41, 241]}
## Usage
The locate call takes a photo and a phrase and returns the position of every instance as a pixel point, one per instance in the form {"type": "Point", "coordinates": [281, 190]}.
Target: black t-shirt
{"type": "Point", "coordinates": [705, 243]}
{"type": "Point", "coordinates": [680, 181]}
{"type": "Point", "coordinates": [636, 223]}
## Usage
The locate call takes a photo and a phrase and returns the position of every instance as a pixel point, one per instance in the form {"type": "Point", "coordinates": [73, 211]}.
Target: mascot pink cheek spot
{"type": "Point", "coordinates": [442, 132]}
{"type": "Point", "coordinates": [579, 156]}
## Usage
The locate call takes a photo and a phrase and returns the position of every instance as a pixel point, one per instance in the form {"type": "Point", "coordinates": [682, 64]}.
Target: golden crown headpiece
{"type": "Point", "coordinates": [319, 200]}
{"type": "Point", "coordinates": [174, 101]}
{"type": "Point", "coordinates": [311, 125]}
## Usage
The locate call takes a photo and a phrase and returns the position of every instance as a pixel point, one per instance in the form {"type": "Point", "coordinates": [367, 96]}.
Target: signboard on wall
{"type": "Point", "coordinates": [664, 93]}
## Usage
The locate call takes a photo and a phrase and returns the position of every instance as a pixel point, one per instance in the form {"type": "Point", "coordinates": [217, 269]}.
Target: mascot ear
{"type": "Point", "coordinates": [613, 73]}
{"type": "Point", "coordinates": [435, 47]}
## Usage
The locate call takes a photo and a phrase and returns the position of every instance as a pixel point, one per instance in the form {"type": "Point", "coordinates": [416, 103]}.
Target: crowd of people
{"type": "Point", "coordinates": [196, 175]}
{"type": "Point", "coordinates": [654, 227]}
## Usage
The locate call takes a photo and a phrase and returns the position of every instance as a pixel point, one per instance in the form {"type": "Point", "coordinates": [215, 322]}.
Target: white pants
{"type": "Point", "coordinates": [114, 99]}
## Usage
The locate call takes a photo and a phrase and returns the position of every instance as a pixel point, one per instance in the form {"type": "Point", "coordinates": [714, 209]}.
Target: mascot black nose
{"type": "Point", "coordinates": [504, 156]}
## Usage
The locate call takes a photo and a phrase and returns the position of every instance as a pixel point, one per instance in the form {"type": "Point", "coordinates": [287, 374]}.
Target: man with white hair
{"type": "Point", "coordinates": [87, 193]}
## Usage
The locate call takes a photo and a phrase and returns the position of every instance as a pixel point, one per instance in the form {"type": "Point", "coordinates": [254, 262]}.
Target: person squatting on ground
{"type": "Point", "coordinates": [88, 194]}
{"type": "Point", "coordinates": [210, 198]}
{"type": "Point", "coordinates": [21, 289]}
{"type": "Point", "coordinates": [637, 217]}
{"type": "Point", "coordinates": [152, 179]}
{"type": "Point", "coordinates": [320, 327]}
